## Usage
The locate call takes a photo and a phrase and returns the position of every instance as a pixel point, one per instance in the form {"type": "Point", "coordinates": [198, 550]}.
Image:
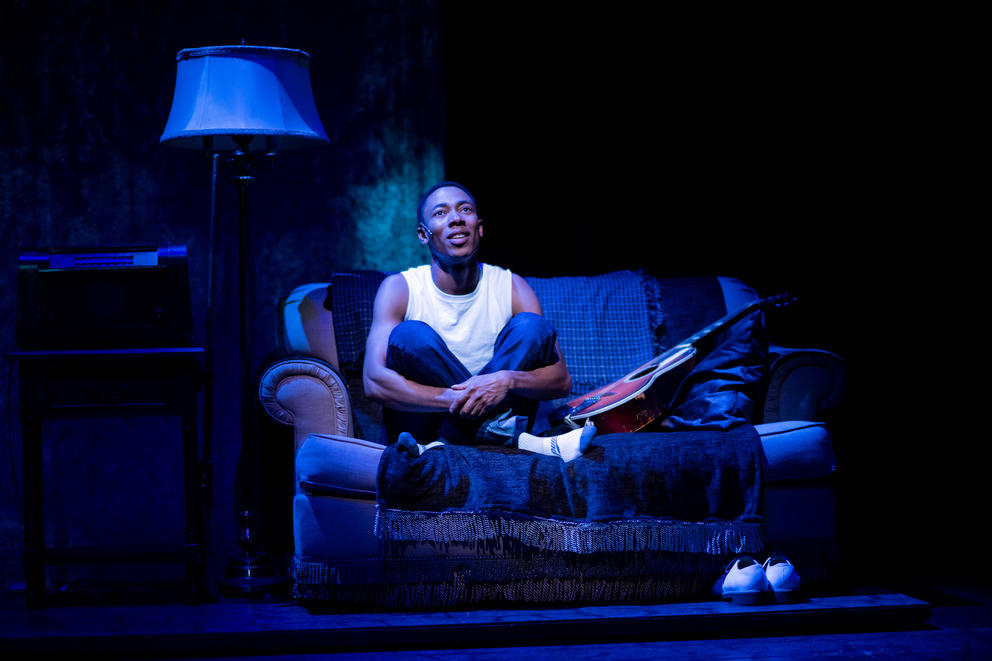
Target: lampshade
{"type": "Point", "coordinates": [227, 91]}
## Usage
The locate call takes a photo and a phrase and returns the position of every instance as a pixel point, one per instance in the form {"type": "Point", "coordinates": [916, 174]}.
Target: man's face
{"type": "Point", "coordinates": [455, 228]}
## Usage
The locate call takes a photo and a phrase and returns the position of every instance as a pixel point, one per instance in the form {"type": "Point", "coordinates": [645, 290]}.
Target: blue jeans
{"type": "Point", "coordinates": [418, 353]}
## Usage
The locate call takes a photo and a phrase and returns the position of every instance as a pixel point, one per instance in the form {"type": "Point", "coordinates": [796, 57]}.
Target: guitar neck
{"type": "Point", "coordinates": [703, 340]}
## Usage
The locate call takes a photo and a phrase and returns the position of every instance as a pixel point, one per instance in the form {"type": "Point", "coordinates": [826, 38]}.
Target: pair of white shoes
{"type": "Point", "coordinates": [745, 582]}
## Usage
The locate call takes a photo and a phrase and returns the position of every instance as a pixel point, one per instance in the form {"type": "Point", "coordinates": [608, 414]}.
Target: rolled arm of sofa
{"type": "Point", "coordinates": [803, 383]}
{"type": "Point", "coordinates": [309, 394]}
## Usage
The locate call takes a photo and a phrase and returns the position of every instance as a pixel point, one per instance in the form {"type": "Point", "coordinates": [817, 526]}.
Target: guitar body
{"type": "Point", "coordinates": [646, 394]}
{"type": "Point", "coordinates": [639, 398]}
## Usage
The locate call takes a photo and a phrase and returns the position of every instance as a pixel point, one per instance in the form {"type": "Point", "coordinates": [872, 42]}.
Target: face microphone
{"type": "Point", "coordinates": [426, 229]}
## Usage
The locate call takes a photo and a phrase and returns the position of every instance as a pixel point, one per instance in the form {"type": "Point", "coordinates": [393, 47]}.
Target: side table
{"type": "Point", "coordinates": [123, 382]}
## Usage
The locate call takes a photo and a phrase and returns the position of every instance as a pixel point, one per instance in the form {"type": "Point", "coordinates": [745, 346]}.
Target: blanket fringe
{"type": "Point", "coordinates": [715, 538]}
{"type": "Point", "coordinates": [318, 581]}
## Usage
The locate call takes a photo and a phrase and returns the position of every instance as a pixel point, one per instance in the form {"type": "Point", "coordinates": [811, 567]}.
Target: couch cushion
{"type": "Point", "coordinates": [305, 328]}
{"type": "Point", "coordinates": [795, 450]}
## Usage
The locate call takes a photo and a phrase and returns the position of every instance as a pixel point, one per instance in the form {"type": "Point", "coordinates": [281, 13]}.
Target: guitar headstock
{"type": "Point", "coordinates": [778, 301]}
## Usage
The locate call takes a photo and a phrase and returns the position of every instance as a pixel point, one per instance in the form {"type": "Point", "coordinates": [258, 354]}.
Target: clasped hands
{"type": "Point", "coordinates": [480, 394]}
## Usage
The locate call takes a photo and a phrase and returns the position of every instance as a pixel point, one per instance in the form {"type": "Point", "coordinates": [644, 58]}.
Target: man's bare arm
{"type": "Point", "coordinates": [382, 384]}
{"type": "Point", "coordinates": [545, 382]}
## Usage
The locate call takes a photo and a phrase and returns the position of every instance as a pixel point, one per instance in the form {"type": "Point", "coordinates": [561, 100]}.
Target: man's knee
{"type": "Point", "coordinates": [410, 336]}
{"type": "Point", "coordinates": [417, 352]}
{"type": "Point", "coordinates": [412, 344]}
{"type": "Point", "coordinates": [526, 342]}
{"type": "Point", "coordinates": [531, 325]}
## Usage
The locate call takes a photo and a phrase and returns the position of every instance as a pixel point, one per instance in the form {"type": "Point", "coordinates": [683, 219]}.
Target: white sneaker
{"type": "Point", "coordinates": [783, 579]}
{"type": "Point", "coordinates": [744, 582]}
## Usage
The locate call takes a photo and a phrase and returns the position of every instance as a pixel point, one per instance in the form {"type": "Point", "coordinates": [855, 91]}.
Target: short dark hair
{"type": "Point", "coordinates": [443, 184]}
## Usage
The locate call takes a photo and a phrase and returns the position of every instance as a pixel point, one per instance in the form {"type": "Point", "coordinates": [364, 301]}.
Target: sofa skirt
{"type": "Point", "coordinates": [452, 580]}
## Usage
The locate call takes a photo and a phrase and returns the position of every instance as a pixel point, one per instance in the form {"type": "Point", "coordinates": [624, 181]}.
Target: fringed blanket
{"type": "Point", "coordinates": [446, 581]}
{"type": "Point", "coordinates": [690, 491]}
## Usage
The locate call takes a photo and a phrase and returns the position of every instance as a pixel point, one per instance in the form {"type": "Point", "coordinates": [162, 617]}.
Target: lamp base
{"type": "Point", "coordinates": [251, 574]}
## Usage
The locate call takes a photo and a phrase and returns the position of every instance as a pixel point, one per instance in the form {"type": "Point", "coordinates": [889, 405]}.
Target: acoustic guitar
{"type": "Point", "coordinates": [646, 394]}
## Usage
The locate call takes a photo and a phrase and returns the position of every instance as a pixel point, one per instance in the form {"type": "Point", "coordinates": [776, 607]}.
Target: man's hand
{"type": "Point", "coordinates": [480, 394]}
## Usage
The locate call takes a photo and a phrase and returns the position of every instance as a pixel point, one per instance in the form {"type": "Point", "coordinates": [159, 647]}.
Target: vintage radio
{"type": "Point", "coordinates": [103, 297]}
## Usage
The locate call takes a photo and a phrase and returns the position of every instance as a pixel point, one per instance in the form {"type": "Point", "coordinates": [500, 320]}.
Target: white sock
{"type": "Point", "coordinates": [567, 446]}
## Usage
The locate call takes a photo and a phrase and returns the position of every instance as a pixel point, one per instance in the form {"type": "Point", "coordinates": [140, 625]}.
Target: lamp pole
{"type": "Point", "coordinates": [241, 160]}
{"type": "Point", "coordinates": [250, 573]}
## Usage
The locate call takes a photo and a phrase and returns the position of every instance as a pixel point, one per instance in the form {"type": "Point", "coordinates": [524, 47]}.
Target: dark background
{"type": "Point", "coordinates": [800, 151]}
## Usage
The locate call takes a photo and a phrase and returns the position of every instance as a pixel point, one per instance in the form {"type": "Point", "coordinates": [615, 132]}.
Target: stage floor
{"type": "Point", "coordinates": [255, 628]}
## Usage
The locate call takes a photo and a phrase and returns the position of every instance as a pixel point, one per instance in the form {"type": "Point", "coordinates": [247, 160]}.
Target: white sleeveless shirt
{"type": "Point", "coordinates": [468, 324]}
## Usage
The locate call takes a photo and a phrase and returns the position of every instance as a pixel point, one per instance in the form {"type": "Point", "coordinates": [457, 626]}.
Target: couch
{"type": "Point", "coordinates": [480, 535]}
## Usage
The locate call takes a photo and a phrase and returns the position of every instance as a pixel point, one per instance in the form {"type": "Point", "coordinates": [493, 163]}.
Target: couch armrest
{"type": "Point", "coordinates": [308, 394]}
{"type": "Point", "coordinates": [333, 465]}
{"type": "Point", "coordinates": [803, 383]}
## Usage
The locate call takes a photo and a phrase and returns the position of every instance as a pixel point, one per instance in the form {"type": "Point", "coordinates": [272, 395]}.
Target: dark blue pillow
{"type": "Point", "coordinates": [721, 392]}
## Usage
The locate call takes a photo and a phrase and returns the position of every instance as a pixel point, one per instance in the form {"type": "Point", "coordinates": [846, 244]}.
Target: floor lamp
{"type": "Point", "coordinates": [239, 103]}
